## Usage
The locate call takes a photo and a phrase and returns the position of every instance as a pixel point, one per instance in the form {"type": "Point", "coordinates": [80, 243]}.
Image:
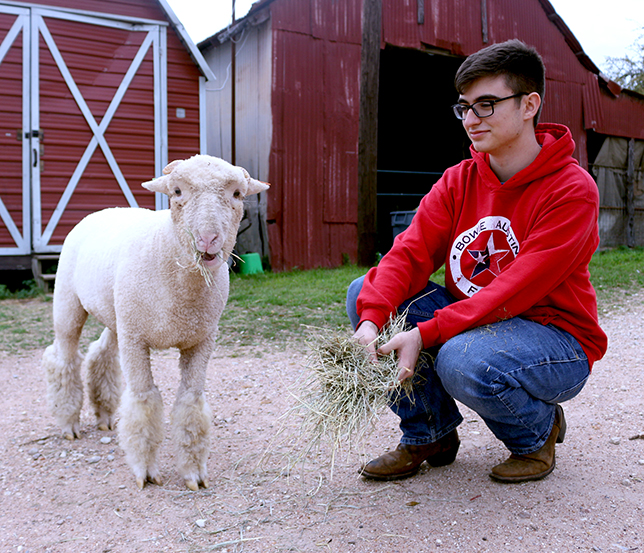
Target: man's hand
{"type": "Point", "coordinates": [407, 346]}
{"type": "Point", "coordinates": [366, 335]}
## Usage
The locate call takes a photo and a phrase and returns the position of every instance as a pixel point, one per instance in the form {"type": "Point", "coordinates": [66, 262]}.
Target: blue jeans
{"type": "Point", "coordinates": [512, 373]}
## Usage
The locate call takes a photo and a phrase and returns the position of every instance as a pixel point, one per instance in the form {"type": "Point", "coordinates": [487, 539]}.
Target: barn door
{"type": "Point", "coordinates": [15, 228]}
{"type": "Point", "coordinates": [98, 118]}
{"type": "Point", "coordinates": [94, 124]}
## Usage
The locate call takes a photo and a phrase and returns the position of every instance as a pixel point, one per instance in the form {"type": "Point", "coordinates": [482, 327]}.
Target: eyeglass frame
{"type": "Point", "coordinates": [492, 103]}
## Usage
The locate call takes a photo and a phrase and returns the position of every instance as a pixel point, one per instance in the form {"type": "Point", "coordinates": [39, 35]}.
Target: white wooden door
{"type": "Point", "coordinates": [15, 217]}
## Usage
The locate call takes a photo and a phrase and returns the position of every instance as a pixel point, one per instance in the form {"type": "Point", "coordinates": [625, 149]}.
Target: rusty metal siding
{"type": "Point", "coordinates": [298, 137]}
{"type": "Point", "coordinates": [341, 73]}
{"type": "Point", "coordinates": [316, 73]}
{"type": "Point", "coordinates": [563, 104]}
{"type": "Point", "coordinates": [338, 21]}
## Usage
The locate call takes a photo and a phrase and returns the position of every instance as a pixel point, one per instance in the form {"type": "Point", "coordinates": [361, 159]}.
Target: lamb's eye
{"type": "Point", "coordinates": [177, 192]}
{"type": "Point", "coordinates": [237, 195]}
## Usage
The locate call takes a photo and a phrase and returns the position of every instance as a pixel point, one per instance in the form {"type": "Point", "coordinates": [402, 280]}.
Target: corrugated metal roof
{"type": "Point", "coordinates": [605, 115]}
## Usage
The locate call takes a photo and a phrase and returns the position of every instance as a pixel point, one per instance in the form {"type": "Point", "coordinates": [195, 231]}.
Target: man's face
{"type": "Point", "coordinates": [499, 133]}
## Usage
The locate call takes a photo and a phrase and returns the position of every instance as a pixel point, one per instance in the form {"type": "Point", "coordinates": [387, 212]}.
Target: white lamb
{"type": "Point", "coordinates": [155, 279]}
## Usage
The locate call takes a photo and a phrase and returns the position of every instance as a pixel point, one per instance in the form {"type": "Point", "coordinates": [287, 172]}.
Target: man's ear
{"type": "Point", "coordinates": [532, 105]}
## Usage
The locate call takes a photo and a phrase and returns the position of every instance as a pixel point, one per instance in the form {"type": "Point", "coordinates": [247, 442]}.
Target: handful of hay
{"type": "Point", "coordinates": [344, 390]}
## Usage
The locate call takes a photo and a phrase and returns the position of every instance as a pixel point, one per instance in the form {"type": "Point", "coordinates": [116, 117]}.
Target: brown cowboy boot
{"type": "Point", "coordinates": [536, 465]}
{"type": "Point", "coordinates": [405, 460]}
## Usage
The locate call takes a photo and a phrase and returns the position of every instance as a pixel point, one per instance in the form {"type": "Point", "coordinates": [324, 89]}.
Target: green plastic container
{"type": "Point", "coordinates": [251, 263]}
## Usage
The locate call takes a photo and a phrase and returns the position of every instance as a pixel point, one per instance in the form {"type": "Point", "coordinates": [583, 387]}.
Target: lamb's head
{"type": "Point", "coordinates": [206, 201]}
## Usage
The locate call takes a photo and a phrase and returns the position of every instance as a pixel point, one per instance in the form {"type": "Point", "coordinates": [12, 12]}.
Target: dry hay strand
{"type": "Point", "coordinates": [197, 259]}
{"type": "Point", "coordinates": [343, 391]}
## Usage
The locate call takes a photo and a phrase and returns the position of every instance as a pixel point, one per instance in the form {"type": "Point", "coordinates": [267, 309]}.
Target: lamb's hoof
{"type": "Point", "coordinates": [153, 479]}
{"type": "Point", "coordinates": [194, 484]}
{"type": "Point", "coordinates": [70, 432]}
{"type": "Point", "coordinates": [105, 422]}
{"type": "Point", "coordinates": [105, 426]}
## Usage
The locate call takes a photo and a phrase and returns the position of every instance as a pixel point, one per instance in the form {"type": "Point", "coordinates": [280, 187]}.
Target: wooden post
{"type": "Point", "coordinates": [484, 28]}
{"type": "Point", "coordinates": [233, 94]}
{"type": "Point", "coordinates": [368, 133]}
{"type": "Point", "coordinates": [630, 194]}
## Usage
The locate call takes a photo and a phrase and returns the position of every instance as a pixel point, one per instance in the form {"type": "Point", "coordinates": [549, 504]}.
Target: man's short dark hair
{"type": "Point", "coordinates": [520, 64]}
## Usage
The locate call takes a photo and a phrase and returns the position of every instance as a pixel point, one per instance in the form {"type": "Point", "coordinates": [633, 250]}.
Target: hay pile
{"type": "Point", "coordinates": [343, 390]}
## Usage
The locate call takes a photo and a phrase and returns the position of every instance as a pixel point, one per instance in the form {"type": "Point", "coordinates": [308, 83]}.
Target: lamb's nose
{"type": "Point", "coordinates": [206, 240]}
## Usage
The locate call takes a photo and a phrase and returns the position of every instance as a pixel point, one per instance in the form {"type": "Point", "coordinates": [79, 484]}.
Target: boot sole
{"type": "Point", "coordinates": [562, 425]}
{"type": "Point", "coordinates": [388, 477]}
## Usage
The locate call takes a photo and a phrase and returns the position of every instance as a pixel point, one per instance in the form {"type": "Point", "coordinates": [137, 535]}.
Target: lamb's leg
{"type": "Point", "coordinates": [141, 415]}
{"type": "Point", "coordinates": [191, 418]}
{"type": "Point", "coordinates": [61, 362]}
{"type": "Point", "coordinates": [103, 372]}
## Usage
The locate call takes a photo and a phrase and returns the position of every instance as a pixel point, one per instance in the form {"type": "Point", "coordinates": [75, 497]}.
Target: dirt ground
{"type": "Point", "coordinates": [61, 496]}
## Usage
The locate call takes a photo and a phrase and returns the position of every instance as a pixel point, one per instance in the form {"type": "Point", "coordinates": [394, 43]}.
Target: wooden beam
{"type": "Point", "coordinates": [421, 12]}
{"type": "Point", "coordinates": [630, 194]}
{"type": "Point", "coordinates": [233, 96]}
{"type": "Point", "coordinates": [368, 133]}
{"type": "Point", "coordinates": [484, 28]}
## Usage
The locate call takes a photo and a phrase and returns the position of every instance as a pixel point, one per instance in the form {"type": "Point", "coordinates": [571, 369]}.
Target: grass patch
{"type": "Point", "coordinates": [277, 307]}
{"type": "Point", "coordinates": [615, 273]}
{"type": "Point", "coordinates": [29, 289]}
{"type": "Point", "coordinates": [26, 324]}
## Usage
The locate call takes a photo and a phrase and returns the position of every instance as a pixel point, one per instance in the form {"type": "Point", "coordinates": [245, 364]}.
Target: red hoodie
{"type": "Point", "coordinates": [520, 248]}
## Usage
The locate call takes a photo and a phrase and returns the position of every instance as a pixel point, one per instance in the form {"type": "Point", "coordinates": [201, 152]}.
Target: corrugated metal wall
{"type": "Point", "coordinates": [316, 74]}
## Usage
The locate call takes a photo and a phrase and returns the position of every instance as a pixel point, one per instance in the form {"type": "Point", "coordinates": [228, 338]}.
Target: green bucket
{"type": "Point", "coordinates": [251, 263]}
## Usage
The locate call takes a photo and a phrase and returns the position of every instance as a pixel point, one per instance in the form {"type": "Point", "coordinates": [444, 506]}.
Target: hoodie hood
{"type": "Point", "coordinates": [557, 147]}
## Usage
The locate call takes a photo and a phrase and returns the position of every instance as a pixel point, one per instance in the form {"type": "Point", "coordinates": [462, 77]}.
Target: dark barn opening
{"type": "Point", "coordinates": [418, 135]}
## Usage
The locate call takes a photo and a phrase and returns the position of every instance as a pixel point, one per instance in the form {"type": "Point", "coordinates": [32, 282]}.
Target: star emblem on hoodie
{"type": "Point", "coordinates": [488, 259]}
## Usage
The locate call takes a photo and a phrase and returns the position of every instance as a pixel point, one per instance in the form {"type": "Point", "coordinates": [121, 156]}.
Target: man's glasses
{"type": "Point", "coordinates": [482, 109]}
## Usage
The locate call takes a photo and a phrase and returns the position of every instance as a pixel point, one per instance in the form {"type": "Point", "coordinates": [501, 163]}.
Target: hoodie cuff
{"type": "Point", "coordinates": [373, 315]}
{"type": "Point", "coordinates": [430, 333]}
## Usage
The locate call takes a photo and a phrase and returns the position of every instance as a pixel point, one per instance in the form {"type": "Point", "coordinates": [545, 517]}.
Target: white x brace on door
{"type": "Point", "coordinates": [47, 192]}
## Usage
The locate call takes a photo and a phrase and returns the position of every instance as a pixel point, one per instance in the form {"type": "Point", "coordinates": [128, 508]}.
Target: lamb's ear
{"type": "Point", "coordinates": [158, 185]}
{"type": "Point", "coordinates": [170, 166]}
{"type": "Point", "coordinates": [254, 186]}
{"type": "Point", "coordinates": [161, 184]}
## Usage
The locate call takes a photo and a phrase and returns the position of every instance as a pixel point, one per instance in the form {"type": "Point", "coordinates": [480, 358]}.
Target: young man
{"type": "Point", "coordinates": [514, 333]}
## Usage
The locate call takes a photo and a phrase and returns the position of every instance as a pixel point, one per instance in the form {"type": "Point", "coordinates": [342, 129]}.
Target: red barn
{"type": "Point", "coordinates": [95, 98]}
{"type": "Point", "coordinates": [296, 103]}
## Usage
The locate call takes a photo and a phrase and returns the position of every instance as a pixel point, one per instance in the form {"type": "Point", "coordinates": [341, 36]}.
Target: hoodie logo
{"type": "Point", "coordinates": [481, 253]}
